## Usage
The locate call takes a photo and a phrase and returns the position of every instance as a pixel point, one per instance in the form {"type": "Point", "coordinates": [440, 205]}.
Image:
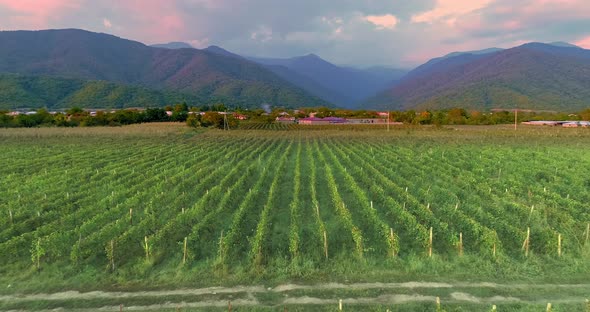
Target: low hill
{"type": "Point", "coordinates": [34, 92]}
{"type": "Point", "coordinates": [531, 76]}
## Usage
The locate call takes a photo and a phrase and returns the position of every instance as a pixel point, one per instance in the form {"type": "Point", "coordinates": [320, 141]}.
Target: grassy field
{"type": "Point", "coordinates": [299, 216]}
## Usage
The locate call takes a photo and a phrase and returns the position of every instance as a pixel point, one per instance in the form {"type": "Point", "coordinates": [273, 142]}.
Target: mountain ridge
{"type": "Point", "coordinates": [532, 76]}
{"type": "Point", "coordinates": [80, 54]}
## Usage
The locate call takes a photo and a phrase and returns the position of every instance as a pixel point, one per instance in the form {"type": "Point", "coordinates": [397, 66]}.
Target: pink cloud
{"type": "Point", "coordinates": [387, 21]}
{"type": "Point", "coordinates": [446, 10]}
{"type": "Point", "coordinates": [584, 43]}
{"type": "Point", "coordinates": [155, 20]}
{"type": "Point", "coordinates": [36, 14]}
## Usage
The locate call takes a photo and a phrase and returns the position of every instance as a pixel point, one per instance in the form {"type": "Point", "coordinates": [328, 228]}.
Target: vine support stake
{"type": "Point", "coordinates": [526, 243]}
{"type": "Point", "coordinates": [339, 304]}
{"type": "Point", "coordinates": [38, 254]}
{"type": "Point", "coordinates": [430, 244]}
{"type": "Point", "coordinates": [392, 238]}
{"type": "Point", "coordinates": [460, 243]}
{"type": "Point", "coordinates": [559, 245]}
{"type": "Point", "coordinates": [326, 245]}
{"type": "Point", "coordinates": [147, 248]}
{"type": "Point", "coordinates": [549, 307]}
{"type": "Point", "coordinates": [184, 251]}
{"type": "Point", "coordinates": [113, 255]}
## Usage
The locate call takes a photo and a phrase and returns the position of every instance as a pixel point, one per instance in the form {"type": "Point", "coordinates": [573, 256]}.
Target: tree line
{"type": "Point", "coordinates": [209, 116]}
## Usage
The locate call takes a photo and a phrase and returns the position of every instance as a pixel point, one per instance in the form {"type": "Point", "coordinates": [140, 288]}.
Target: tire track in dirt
{"type": "Point", "coordinates": [251, 299]}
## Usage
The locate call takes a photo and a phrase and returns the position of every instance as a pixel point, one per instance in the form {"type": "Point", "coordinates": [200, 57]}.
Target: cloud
{"type": "Point", "coordinates": [199, 43]}
{"type": "Point", "coordinates": [584, 42]}
{"type": "Point", "coordinates": [449, 10]}
{"type": "Point", "coordinates": [262, 33]}
{"type": "Point", "coordinates": [367, 32]}
{"type": "Point", "coordinates": [386, 21]}
{"type": "Point", "coordinates": [36, 14]}
{"type": "Point", "coordinates": [107, 23]}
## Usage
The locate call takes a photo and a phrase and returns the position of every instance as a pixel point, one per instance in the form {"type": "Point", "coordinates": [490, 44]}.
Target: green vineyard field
{"type": "Point", "coordinates": [151, 205]}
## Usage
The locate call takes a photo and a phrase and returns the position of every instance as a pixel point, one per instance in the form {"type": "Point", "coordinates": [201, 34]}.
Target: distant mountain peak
{"type": "Point", "coordinates": [563, 44]}
{"type": "Point", "coordinates": [221, 51]}
{"type": "Point", "coordinates": [173, 45]}
{"type": "Point", "coordinates": [477, 52]}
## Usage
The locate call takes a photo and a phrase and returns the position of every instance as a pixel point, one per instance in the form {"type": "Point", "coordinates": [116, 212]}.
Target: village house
{"type": "Point", "coordinates": [313, 121]}
{"type": "Point", "coordinates": [285, 120]}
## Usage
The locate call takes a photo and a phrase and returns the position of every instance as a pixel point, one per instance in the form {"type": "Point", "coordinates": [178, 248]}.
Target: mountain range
{"type": "Point", "coordinates": [71, 67]}
{"type": "Point", "coordinates": [531, 76]}
{"type": "Point", "coordinates": [198, 74]}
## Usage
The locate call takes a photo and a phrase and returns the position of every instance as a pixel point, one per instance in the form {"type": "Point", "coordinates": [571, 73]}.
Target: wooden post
{"type": "Point", "coordinates": [559, 245]}
{"type": "Point", "coordinates": [460, 243]}
{"type": "Point", "coordinates": [229, 306]}
{"type": "Point", "coordinates": [147, 248]}
{"type": "Point", "coordinates": [392, 242]}
{"type": "Point", "coordinates": [437, 303]}
{"type": "Point", "coordinates": [326, 245]}
{"type": "Point", "coordinates": [113, 255]}
{"type": "Point", "coordinates": [430, 244]}
{"type": "Point", "coordinates": [184, 252]}
{"type": "Point", "coordinates": [549, 307]}
{"type": "Point", "coordinates": [527, 242]}
{"type": "Point", "coordinates": [120, 308]}
{"type": "Point", "coordinates": [38, 254]}
{"type": "Point", "coordinates": [340, 305]}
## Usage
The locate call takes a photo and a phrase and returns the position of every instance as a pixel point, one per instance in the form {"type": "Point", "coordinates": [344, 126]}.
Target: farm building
{"type": "Point", "coordinates": [566, 124]}
{"type": "Point", "coordinates": [313, 121]}
{"type": "Point", "coordinates": [368, 121]}
{"type": "Point", "coordinates": [285, 120]}
{"type": "Point", "coordinates": [240, 116]}
{"type": "Point", "coordinates": [335, 120]}
{"type": "Point", "coordinates": [576, 124]}
{"type": "Point", "coordinates": [541, 123]}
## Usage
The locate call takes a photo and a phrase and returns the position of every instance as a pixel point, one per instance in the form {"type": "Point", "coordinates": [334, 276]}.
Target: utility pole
{"type": "Point", "coordinates": [225, 124]}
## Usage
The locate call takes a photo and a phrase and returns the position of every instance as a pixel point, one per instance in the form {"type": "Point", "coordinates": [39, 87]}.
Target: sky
{"type": "Point", "coordinates": [400, 33]}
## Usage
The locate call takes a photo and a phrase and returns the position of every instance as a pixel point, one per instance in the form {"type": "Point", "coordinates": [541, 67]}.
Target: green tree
{"type": "Point", "coordinates": [193, 120]}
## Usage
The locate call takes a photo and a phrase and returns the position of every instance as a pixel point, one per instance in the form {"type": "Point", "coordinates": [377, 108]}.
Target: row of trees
{"type": "Point", "coordinates": [77, 117]}
{"type": "Point", "coordinates": [208, 116]}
